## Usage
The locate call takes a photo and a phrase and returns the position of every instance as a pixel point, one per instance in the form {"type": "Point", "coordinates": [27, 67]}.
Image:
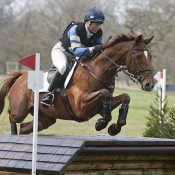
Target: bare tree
{"type": "Point", "coordinates": [149, 18]}
{"type": "Point", "coordinates": [33, 26]}
{"type": "Point", "coordinates": [56, 18]}
{"type": "Point", "coordinates": [6, 15]}
{"type": "Point", "coordinates": [152, 18]}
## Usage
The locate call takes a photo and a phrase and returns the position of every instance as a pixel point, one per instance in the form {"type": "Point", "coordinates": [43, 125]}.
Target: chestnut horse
{"type": "Point", "coordinates": [88, 94]}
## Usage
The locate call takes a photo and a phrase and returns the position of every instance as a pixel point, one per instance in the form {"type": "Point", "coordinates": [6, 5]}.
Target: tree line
{"type": "Point", "coordinates": [28, 27]}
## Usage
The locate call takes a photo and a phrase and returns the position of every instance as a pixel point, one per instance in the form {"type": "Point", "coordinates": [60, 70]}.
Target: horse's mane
{"type": "Point", "coordinates": [120, 38]}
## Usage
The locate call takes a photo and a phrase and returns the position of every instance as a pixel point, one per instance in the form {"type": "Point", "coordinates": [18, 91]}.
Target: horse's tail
{"type": "Point", "coordinates": [7, 84]}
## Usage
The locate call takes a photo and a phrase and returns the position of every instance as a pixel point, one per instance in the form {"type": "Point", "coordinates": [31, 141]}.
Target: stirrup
{"type": "Point", "coordinates": [46, 105]}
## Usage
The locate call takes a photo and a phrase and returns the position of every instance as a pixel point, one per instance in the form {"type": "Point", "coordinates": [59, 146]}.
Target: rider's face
{"type": "Point", "coordinates": [94, 27]}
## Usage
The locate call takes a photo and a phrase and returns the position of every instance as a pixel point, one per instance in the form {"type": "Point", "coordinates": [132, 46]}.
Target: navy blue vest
{"type": "Point", "coordinates": [81, 32]}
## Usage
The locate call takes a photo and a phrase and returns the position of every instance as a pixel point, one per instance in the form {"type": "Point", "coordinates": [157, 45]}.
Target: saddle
{"type": "Point", "coordinates": [69, 67]}
{"type": "Point", "coordinates": [66, 76]}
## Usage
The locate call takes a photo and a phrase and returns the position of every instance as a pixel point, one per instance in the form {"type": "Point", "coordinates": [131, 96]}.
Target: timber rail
{"type": "Point", "coordinates": [86, 154]}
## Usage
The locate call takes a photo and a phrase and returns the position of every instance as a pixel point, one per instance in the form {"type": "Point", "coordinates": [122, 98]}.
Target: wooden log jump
{"type": "Point", "coordinates": [86, 154]}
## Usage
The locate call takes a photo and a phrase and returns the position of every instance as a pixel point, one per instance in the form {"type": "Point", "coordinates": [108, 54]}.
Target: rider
{"type": "Point", "coordinates": [79, 39]}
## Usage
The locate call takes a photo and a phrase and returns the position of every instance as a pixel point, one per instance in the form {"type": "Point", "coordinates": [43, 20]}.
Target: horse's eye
{"type": "Point", "coordinates": [138, 57]}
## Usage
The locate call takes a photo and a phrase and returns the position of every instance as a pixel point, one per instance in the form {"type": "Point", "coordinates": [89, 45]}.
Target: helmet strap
{"type": "Point", "coordinates": [88, 24]}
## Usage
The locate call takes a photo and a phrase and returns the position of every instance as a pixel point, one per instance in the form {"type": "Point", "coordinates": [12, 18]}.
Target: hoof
{"type": "Point", "coordinates": [112, 129]}
{"type": "Point", "coordinates": [100, 124]}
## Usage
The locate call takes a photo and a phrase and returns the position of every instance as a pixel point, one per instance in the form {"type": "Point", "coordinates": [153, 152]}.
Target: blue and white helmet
{"type": "Point", "coordinates": [94, 15]}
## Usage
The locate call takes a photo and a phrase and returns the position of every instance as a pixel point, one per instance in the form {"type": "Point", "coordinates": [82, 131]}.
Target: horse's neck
{"type": "Point", "coordinates": [117, 53]}
{"type": "Point", "coordinates": [106, 69]}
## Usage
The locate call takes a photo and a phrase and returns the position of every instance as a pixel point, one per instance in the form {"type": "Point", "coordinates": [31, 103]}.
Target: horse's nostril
{"type": "Point", "coordinates": [148, 86]}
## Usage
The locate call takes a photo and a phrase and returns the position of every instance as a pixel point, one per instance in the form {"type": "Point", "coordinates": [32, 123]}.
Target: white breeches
{"type": "Point", "coordinates": [59, 58]}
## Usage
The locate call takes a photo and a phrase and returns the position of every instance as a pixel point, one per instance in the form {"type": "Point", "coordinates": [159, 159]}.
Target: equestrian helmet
{"type": "Point", "coordinates": [94, 15]}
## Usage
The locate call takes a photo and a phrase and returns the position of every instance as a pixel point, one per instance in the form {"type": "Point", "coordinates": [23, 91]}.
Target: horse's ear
{"type": "Point", "coordinates": [138, 39]}
{"type": "Point", "coordinates": [148, 40]}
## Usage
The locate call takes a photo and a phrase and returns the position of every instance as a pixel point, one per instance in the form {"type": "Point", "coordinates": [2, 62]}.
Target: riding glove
{"type": "Point", "coordinates": [98, 48]}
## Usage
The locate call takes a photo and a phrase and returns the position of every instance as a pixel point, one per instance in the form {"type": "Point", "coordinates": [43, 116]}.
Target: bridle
{"type": "Point", "coordinates": [135, 78]}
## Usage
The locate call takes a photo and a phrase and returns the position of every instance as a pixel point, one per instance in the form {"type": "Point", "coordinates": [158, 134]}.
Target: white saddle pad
{"type": "Point", "coordinates": [46, 84]}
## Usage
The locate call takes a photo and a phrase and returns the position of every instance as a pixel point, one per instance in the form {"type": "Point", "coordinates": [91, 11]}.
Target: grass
{"type": "Point", "coordinates": [138, 110]}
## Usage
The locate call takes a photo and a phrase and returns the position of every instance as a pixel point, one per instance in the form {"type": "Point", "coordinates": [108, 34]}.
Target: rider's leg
{"type": "Point", "coordinates": [60, 60]}
{"type": "Point", "coordinates": [54, 84]}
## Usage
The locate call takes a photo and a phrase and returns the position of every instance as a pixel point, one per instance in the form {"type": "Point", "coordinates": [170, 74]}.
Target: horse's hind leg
{"type": "Point", "coordinates": [13, 126]}
{"type": "Point", "coordinates": [16, 117]}
{"type": "Point", "coordinates": [14, 129]}
{"type": "Point", "coordinates": [44, 122]}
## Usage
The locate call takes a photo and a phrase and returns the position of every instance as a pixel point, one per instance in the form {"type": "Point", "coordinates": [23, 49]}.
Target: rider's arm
{"type": "Point", "coordinates": [76, 45]}
{"type": "Point", "coordinates": [99, 41]}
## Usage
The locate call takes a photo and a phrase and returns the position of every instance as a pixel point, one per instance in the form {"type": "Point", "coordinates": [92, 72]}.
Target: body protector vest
{"type": "Point", "coordinates": [81, 32]}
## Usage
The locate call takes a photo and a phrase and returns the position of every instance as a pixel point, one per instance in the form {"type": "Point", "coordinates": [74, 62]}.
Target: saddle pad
{"type": "Point", "coordinates": [46, 84]}
{"type": "Point", "coordinates": [69, 75]}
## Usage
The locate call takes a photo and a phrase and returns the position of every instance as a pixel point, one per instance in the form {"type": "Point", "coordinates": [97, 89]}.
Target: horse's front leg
{"type": "Point", "coordinates": [91, 103]}
{"type": "Point", "coordinates": [123, 99]}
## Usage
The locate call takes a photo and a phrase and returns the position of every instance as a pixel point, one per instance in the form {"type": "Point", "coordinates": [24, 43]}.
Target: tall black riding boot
{"type": "Point", "coordinates": [47, 100]}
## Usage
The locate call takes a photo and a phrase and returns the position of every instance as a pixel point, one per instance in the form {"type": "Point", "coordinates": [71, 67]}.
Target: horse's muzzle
{"type": "Point", "coordinates": [148, 87]}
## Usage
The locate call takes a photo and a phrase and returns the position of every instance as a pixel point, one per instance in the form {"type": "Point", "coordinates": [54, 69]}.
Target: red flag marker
{"type": "Point", "coordinates": [161, 74]}
{"type": "Point", "coordinates": [28, 61]}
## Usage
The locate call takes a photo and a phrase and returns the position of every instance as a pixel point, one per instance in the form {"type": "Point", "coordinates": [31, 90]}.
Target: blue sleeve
{"type": "Point", "coordinates": [99, 40]}
{"type": "Point", "coordinates": [76, 45]}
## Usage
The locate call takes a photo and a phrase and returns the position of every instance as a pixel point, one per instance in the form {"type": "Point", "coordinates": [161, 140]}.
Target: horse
{"type": "Point", "coordinates": [90, 89]}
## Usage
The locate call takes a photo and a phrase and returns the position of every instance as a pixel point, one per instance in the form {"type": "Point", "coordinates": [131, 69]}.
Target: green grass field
{"type": "Point", "coordinates": [138, 110]}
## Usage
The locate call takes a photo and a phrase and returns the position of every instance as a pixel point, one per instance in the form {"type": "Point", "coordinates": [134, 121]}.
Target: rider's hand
{"type": "Point", "coordinates": [98, 48]}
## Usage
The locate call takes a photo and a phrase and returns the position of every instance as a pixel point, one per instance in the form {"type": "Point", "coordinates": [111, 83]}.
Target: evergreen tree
{"type": "Point", "coordinates": [160, 124]}
{"type": "Point", "coordinates": [169, 130]}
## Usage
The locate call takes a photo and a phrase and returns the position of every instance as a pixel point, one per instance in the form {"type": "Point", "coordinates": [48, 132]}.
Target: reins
{"type": "Point", "coordinates": [86, 68]}
{"type": "Point", "coordinates": [109, 85]}
{"type": "Point", "coordinates": [121, 68]}
{"type": "Point", "coordinates": [135, 78]}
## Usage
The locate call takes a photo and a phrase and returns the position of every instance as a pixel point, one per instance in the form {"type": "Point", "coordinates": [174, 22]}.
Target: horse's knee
{"type": "Point", "coordinates": [105, 94]}
{"type": "Point", "coordinates": [125, 98]}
